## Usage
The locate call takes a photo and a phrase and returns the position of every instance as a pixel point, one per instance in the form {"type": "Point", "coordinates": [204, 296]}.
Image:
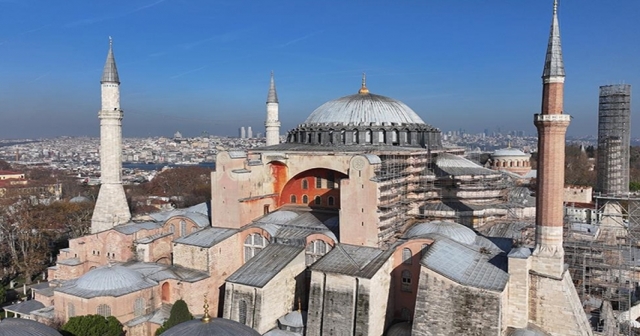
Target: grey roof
{"type": "Point", "coordinates": [160, 272]}
{"type": "Point", "coordinates": [131, 228]}
{"type": "Point", "coordinates": [70, 262]}
{"type": "Point", "coordinates": [110, 72]}
{"type": "Point", "coordinates": [46, 312]}
{"type": "Point", "coordinates": [520, 253]}
{"type": "Point", "coordinates": [509, 152]}
{"type": "Point", "coordinates": [272, 97]}
{"type": "Point", "coordinates": [553, 63]}
{"type": "Point", "coordinates": [278, 332]}
{"type": "Point", "coordinates": [450, 164]}
{"type": "Point", "coordinates": [291, 227]}
{"type": "Point", "coordinates": [207, 237]}
{"type": "Point", "coordinates": [364, 109]}
{"type": "Point", "coordinates": [111, 280]}
{"type": "Point", "coordinates": [358, 261]}
{"type": "Point", "coordinates": [259, 270]}
{"type": "Point", "coordinates": [467, 265]}
{"type": "Point", "coordinates": [153, 237]}
{"type": "Point", "coordinates": [296, 319]}
{"type": "Point", "coordinates": [198, 213]}
{"type": "Point", "coordinates": [161, 315]}
{"type": "Point", "coordinates": [217, 326]}
{"type": "Point", "coordinates": [452, 230]}
{"type": "Point", "coordinates": [24, 327]}
{"type": "Point", "coordinates": [521, 195]}
{"type": "Point", "coordinates": [25, 307]}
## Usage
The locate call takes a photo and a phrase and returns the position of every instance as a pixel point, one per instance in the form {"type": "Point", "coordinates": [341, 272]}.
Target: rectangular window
{"type": "Point", "coordinates": [318, 182]}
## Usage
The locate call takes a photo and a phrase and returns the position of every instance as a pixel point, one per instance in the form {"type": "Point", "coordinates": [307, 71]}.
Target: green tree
{"type": "Point", "coordinates": [179, 313]}
{"type": "Point", "coordinates": [92, 325]}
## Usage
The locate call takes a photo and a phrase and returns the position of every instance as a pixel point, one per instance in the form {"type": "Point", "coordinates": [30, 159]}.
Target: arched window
{"type": "Point", "coordinates": [355, 136]}
{"type": "Point", "coordinates": [317, 200]}
{"type": "Point", "coordinates": [242, 312]}
{"type": "Point", "coordinates": [138, 307]}
{"type": "Point", "coordinates": [104, 310]}
{"type": "Point", "coordinates": [330, 201]}
{"type": "Point", "coordinates": [406, 256]}
{"type": "Point", "coordinates": [172, 228]}
{"type": "Point", "coordinates": [315, 250]}
{"type": "Point", "coordinates": [71, 310]}
{"type": "Point", "coordinates": [293, 199]}
{"type": "Point", "coordinates": [331, 136]}
{"type": "Point", "coordinates": [343, 138]}
{"type": "Point", "coordinates": [395, 136]}
{"type": "Point", "coordinates": [183, 228]}
{"type": "Point", "coordinates": [305, 184]}
{"type": "Point", "coordinates": [253, 244]}
{"type": "Point", "coordinates": [319, 137]}
{"type": "Point", "coordinates": [406, 281]}
{"type": "Point", "coordinates": [367, 137]}
{"type": "Point", "coordinates": [382, 136]}
{"type": "Point", "coordinates": [318, 182]}
{"type": "Point", "coordinates": [305, 199]}
{"type": "Point", "coordinates": [166, 292]}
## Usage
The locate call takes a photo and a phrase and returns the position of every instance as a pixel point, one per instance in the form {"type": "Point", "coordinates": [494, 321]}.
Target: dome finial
{"type": "Point", "coordinates": [555, 7]}
{"type": "Point", "coordinates": [363, 90]}
{"type": "Point", "coordinates": [206, 318]}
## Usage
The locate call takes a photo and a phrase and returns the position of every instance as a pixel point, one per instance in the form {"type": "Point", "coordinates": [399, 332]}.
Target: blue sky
{"type": "Point", "coordinates": [203, 65]}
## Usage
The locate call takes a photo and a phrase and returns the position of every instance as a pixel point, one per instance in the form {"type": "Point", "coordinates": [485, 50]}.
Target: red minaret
{"type": "Point", "coordinates": [552, 126]}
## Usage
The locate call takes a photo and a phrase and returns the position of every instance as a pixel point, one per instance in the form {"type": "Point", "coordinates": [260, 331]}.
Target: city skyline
{"type": "Point", "coordinates": [196, 66]}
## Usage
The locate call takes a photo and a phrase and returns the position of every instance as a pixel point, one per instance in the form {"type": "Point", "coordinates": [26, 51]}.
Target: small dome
{"type": "Point", "coordinates": [509, 152]}
{"type": "Point", "coordinates": [294, 319]}
{"type": "Point", "coordinates": [455, 231]}
{"type": "Point", "coordinates": [110, 278]}
{"type": "Point", "coordinates": [215, 327]}
{"type": "Point", "coordinates": [364, 109]}
{"type": "Point", "coordinates": [400, 329]}
{"type": "Point", "coordinates": [24, 327]}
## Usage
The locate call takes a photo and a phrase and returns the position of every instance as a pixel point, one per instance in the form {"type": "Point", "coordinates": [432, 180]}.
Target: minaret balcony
{"type": "Point", "coordinates": [552, 117]}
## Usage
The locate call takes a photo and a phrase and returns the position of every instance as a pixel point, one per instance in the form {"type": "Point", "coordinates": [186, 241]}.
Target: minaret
{"type": "Point", "coordinates": [552, 125]}
{"type": "Point", "coordinates": [111, 207]}
{"type": "Point", "coordinates": [272, 124]}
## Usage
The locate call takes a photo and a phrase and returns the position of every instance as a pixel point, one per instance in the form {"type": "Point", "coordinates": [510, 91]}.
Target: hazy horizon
{"type": "Point", "coordinates": [194, 66]}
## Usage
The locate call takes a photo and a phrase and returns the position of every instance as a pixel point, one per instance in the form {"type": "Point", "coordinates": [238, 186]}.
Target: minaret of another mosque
{"type": "Point", "coordinates": [111, 207]}
{"type": "Point", "coordinates": [272, 124]}
{"type": "Point", "coordinates": [552, 125]}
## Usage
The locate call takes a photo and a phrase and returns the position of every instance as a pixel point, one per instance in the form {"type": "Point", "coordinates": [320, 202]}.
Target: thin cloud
{"type": "Point", "coordinates": [41, 77]}
{"type": "Point", "coordinates": [299, 39]}
{"type": "Point", "coordinates": [188, 72]}
{"type": "Point", "coordinates": [89, 21]}
{"type": "Point", "coordinates": [24, 33]}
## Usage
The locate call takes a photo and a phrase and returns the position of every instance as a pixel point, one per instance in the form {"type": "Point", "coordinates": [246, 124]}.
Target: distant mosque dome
{"type": "Point", "coordinates": [452, 230]}
{"type": "Point", "coordinates": [112, 280]}
{"type": "Point", "coordinates": [214, 327]}
{"type": "Point", "coordinates": [365, 119]}
{"type": "Point", "coordinates": [24, 327]}
{"type": "Point", "coordinates": [400, 329]}
{"type": "Point", "coordinates": [509, 152]}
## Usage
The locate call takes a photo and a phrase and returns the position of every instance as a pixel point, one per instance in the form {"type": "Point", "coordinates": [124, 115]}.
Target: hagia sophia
{"type": "Point", "coordinates": [360, 223]}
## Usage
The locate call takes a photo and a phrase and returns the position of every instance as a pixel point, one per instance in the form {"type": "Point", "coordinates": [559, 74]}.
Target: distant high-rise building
{"type": "Point", "coordinates": [272, 124]}
{"type": "Point", "coordinates": [241, 133]}
{"type": "Point", "coordinates": [614, 139]}
{"type": "Point", "coordinates": [111, 206]}
{"type": "Point", "coordinates": [249, 132]}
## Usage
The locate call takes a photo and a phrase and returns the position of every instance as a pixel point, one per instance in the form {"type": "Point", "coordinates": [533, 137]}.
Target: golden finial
{"type": "Point", "coordinates": [206, 318]}
{"type": "Point", "coordinates": [363, 90]}
{"type": "Point", "coordinates": [555, 7]}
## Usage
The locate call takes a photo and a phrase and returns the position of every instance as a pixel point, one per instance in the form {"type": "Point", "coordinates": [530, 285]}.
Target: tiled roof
{"type": "Point", "coordinates": [259, 270]}
{"type": "Point", "coordinates": [25, 307]}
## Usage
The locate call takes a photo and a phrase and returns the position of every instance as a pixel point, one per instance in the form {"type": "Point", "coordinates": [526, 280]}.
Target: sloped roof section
{"type": "Point", "coordinates": [358, 261]}
{"type": "Point", "coordinates": [207, 237]}
{"type": "Point", "coordinates": [259, 270]}
{"type": "Point", "coordinates": [450, 164]}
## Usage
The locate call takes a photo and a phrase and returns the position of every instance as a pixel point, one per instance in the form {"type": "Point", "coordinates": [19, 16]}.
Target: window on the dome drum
{"type": "Point", "coordinates": [394, 137]}
{"type": "Point", "coordinates": [382, 136]}
{"type": "Point", "coordinates": [342, 137]}
{"type": "Point", "coordinates": [293, 199]}
{"type": "Point", "coordinates": [367, 137]}
{"type": "Point", "coordinates": [355, 136]}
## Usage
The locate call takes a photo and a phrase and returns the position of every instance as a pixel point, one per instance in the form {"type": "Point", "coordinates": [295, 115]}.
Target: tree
{"type": "Point", "coordinates": [3, 294]}
{"type": "Point", "coordinates": [179, 313]}
{"type": "Point", "coordinates": [4, 165]}
{"type": "Point", "coordinates": [577, 168]}
{"type": "Point", "coordinates": [92, 325]}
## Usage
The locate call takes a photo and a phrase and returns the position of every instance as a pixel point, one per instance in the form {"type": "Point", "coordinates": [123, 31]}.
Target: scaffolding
{"type": "Point", "coordinates": [604, 260]}
{"type": "Point", "coordinates": [614, 113]}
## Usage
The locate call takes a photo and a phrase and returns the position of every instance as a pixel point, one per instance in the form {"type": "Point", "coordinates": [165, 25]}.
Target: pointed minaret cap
{"type": "Point", "coordinates": [553, 64]}
{"type": "Point", "coordinates": [363, 90]}
{"type": "Point", "coordinates": [273, 95]}
{"type": "Point", "coordinates": [110, 72]}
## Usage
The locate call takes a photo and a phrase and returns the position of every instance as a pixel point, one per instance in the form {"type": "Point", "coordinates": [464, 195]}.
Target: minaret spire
{"type": "Point", "coordinates": [273, 95]}
{"type": "Point", "coordinates": [272, 124]}
{"type": "Point", "coordinates": [363, 89]}
{"type": "Point", "coordinates": [110, 72]}
{"type": "Point", "coordinates": [553, 64]}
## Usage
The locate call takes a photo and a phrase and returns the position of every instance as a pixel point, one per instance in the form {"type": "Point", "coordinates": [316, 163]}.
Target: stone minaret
{"type": "Point", "coordinates": [111, 207]}
{"type": "Point", "coordinates": [552, 126]}
{"type": "Point", "coordinates": [272, 124]}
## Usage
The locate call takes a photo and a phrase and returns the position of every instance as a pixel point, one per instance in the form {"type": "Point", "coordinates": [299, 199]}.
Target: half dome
{"type": "Point", "coordinates": [452, 230]}
{"type": "Point", "coordinates": [364, 109]}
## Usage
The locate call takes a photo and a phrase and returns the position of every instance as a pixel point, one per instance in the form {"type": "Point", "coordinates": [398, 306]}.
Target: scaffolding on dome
{"type": "Point", "coordinates": [604, 258]}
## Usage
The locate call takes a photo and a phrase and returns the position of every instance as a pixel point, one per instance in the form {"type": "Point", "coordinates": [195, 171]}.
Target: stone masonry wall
{"type": "Point", "coordinates": [445, 308]}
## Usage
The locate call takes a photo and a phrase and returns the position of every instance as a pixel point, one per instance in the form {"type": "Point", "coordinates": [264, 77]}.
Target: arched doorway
{"type": "Point", "coordinates": [166, 292]}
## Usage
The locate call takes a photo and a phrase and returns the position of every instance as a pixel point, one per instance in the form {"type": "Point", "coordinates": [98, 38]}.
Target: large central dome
{"type": "Point", "coordinates": [364, 108]}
